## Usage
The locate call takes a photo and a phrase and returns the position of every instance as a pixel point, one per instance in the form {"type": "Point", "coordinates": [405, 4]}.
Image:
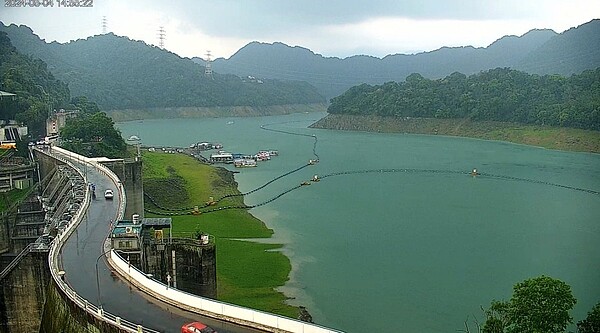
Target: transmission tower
{"type": "Point", "coordinates": [104, 25]}
{"type": "Point", "coordinates": [161, 37]}
{"type": "Point", "coordinates": [207, 67]}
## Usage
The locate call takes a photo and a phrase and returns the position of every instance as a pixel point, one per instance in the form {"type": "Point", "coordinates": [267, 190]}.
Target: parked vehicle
{"type": "Point", "coordinates": [108, 194]}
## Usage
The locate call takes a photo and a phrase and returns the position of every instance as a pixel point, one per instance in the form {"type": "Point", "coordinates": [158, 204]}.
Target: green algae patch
{"type": "Point", "coordinates": [248, 272]}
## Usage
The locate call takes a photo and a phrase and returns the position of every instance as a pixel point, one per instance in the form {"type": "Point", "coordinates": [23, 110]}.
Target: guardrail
{"type": "Point", "coordinates": [58, 243]}
{"type": "Point", "coordinates": [204, 306]}
{"type": "Point", "coordinates": [212, 308]}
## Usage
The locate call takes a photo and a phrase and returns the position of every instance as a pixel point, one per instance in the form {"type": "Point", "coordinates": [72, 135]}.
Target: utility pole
{"type": "Point", "coordinates": [207, 67]}
{"type": "Point", "coordinates": [104, 25]}
{"type": "Point", "coordinates": [161, 37]}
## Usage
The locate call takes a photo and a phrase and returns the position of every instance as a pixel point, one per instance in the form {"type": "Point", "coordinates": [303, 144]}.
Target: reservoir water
{"type": "Point", "coordinates": [416, 251]}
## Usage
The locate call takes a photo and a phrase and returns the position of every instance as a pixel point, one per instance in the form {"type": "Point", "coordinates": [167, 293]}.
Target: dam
{"type": "Point", "coordinates": [66, 277]}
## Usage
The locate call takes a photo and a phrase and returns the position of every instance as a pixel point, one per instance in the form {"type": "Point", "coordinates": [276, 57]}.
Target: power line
{"type": "Point", "coordinates": [104, 25]}
{"type": "Point", "coordinates": [208, 68]}
{"type": "Point", "coordinates": [161, 37]}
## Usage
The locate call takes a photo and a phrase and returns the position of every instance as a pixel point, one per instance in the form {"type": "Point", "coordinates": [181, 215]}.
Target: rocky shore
{"type": "Point", "coordinates": [211, 112]}
{"type": "Point", "coordinates": [561, 138]}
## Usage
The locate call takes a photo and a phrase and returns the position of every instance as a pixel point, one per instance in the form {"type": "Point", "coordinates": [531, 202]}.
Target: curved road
{"type": "Point", "coordinates": [82, 251]}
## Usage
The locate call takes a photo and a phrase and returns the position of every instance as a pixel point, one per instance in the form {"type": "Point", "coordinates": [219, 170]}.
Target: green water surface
{"type": "Point", "coordinates": [416, 251]}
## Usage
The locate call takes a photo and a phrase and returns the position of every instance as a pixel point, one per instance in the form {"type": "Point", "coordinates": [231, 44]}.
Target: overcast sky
{"type": "Point", "coordinates": [339, 28]}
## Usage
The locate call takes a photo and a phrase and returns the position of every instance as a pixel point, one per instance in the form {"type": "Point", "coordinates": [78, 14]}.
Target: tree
{"type": "Point", "coordinates": [538, 305]}
{"type": "Point", "coordinates": [541, 304]}
{"type": "Point", "coordinates": [496, 317]}
{"type": "Point", "coordinates": [591, 324]}
{"type": "Point", "coordinates": [93, 135]}
{"type": "Point", "coordinates": [35, 118]}
{"type": "Point", "coordinates": [84, 105]}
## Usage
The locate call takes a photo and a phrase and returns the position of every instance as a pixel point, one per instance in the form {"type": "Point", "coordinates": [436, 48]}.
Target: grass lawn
{"type": "Point", "coordinates": [247, 272]}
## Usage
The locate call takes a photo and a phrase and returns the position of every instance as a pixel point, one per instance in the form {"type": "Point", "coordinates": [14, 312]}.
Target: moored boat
{"type": "Point", "coordinates": [263, 155]}
{"type": "Point", "coordinates": [244, 163]}
{"type": "Point", "coordinates": [221, 157]}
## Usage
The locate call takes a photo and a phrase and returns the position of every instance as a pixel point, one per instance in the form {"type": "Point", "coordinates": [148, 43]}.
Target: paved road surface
{"type": "Point", "coordinates": [79, 257]}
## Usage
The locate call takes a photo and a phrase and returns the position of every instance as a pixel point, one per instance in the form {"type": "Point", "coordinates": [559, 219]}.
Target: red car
{"type": "Point", "coordinates": [196, 327]}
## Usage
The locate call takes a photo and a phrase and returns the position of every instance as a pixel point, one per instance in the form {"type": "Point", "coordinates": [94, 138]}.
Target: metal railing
{"type": "Point", "coordinates": [210, 307]}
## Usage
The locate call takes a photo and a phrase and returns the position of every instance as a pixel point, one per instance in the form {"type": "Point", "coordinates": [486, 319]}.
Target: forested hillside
{"type": "Point", "coordinates": [37, 92]}
{"type": "Point", "coordinates": [35, 87]}
{"type": "Point", "coordinates": [539, 51]}
{"type": "Point", "coordinates": [120, 73]}
{"type": "Point", "coordinates": [500, 94]}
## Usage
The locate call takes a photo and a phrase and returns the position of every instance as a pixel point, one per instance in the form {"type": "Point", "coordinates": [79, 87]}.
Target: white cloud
{"type": "Point", "coordinates": [385, 36]}
{"type": "Point", "coordinates": [333, 28]}
{"type": "Point", "coordinates": [194, 43]}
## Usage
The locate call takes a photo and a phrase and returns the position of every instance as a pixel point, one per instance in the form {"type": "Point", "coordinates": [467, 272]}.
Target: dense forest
{"type": "Point", "coordinates": [36, 89]}
{"type": "Point", "coordinates": [93, 134]}
{"type": "Point", "coordinates": [120, 73]}
{"type": "Point", "coordinates": [37, 92]}
{"type": "Point", "coordinates": [500, 94]}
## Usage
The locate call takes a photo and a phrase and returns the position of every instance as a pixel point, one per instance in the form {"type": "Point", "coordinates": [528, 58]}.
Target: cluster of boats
{"type": "Point", "coordinates": [238, 160]}
{"type": "Point", "coordinates": [242, 160]}
{"type": "Point", "coordinates": [206, 146]}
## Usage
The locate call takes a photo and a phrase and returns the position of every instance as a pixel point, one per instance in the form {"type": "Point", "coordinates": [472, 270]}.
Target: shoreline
{"type": "Point", "coordinates": [211, 112]}
{"type": "Point", "coordinates": [240, 236]}
{"type": "Point", "coordinates": [559, 138]}
{"type": "Point", "coordinates": [267, 217]}
{"type": "Point", "coordinates": [292, 289]}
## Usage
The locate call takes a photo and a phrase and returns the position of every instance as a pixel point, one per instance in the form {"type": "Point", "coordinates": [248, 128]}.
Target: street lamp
{"type": "Point", "coordinates": [98, 279]}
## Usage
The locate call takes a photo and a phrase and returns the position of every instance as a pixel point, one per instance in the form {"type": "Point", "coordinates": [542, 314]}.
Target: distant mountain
{"type": "Point", "coordinates": [120, 73]}
{"type": "Point", "coordinates": [571, 52]}
{"type": "Point", "coordinates": [537, 51]}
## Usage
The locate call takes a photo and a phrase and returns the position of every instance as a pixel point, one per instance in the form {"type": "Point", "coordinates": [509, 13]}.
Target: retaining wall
{"type": "Point", "coordinates": [62, 314]}
{"type": "Point", "coordinates": [22, 294]}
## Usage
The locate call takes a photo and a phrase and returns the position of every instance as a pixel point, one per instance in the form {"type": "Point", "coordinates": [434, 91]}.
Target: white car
{"type": "Point", "coordinates": [108, 194]}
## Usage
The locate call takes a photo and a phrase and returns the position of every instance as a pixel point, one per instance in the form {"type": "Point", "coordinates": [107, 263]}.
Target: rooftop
{"type": "Point", "coordinates": [6, 94]}
{"type": "Point", "coordinates": [157, 222]}
{"type": "Point", "coordinates": [126, 229]}
{"type": "Point", "coordinates": [129, 228]}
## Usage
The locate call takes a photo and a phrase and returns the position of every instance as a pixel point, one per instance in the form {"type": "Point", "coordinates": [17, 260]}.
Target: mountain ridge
{"type": "Point", "coordinates": [539, 51]}
{"type": "Point", "coordinates": [120, 73]}
{"type": "Point", "coordinates": [333, 75]}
